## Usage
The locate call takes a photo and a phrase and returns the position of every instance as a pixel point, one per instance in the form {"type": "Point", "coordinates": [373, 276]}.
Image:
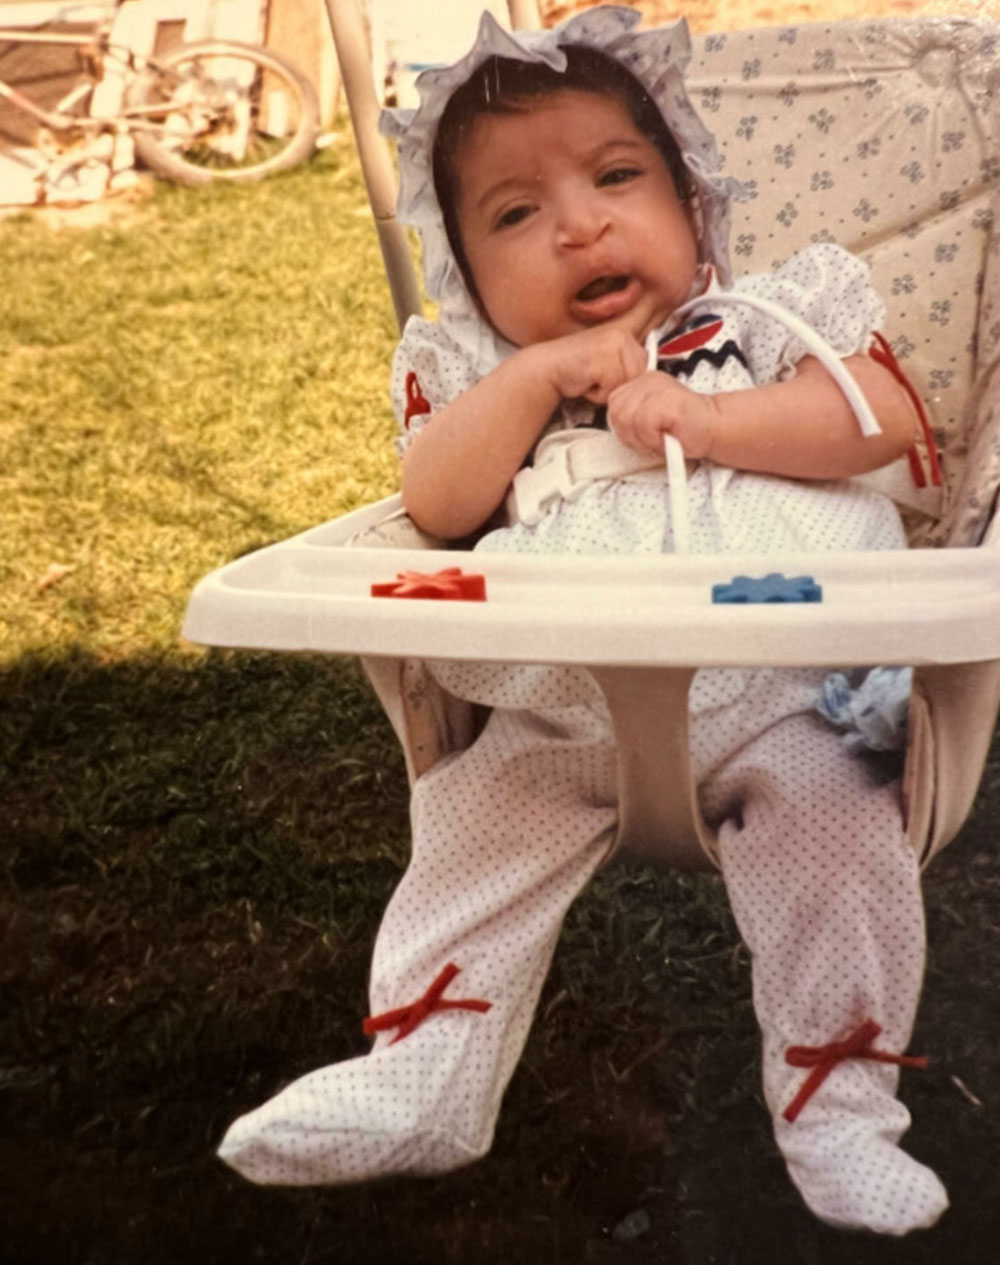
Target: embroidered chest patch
{"type": "Point", "coordinates": [682, 353]}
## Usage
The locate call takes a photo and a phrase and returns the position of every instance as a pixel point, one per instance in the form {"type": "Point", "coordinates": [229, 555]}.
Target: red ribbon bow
{"type": "Point", "coordinates": [824, 1058]}
{"type": "Point", "coordinates": [406, 1018]}
{"type": "Point", "coordinates": [417, 404]}
{"type": "Point", "coordinates": [447, 585]}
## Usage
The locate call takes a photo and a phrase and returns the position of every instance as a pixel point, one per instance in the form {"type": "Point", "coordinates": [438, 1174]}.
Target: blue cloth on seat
{"type": "Point", "coordinates": [873, 712]}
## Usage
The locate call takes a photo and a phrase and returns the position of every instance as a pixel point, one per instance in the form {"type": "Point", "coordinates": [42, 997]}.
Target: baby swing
{"type": "Point", "coordinates": [883, 135]}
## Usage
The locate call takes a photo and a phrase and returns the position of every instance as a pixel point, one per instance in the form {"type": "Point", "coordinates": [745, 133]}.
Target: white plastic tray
{"type": "Point", "coordinates": [311, 592]}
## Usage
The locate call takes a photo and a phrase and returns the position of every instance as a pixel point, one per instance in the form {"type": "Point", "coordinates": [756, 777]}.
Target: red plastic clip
{"type": "Point", "coordinates": [449, 585]}
{"type": "Point", "coordinates": [824, 1058]}
{"type": "Point", "coordinates": [406, 1018]}
{"type": "Point", "coordinates": [883, 355]}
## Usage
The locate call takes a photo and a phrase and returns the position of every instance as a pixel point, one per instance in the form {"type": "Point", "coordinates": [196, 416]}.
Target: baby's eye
{"type": "Point", "coordinates": [618, 175]}
{"type": "Point", "coordinates": [513, 215]}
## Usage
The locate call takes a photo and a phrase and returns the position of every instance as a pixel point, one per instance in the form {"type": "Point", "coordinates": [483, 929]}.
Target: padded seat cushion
{"type": "Point", "coordinates": [885, 137]}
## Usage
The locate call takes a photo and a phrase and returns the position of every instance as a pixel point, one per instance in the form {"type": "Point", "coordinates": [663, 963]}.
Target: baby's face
{"type": "Point", "coordinates": [569, 219]}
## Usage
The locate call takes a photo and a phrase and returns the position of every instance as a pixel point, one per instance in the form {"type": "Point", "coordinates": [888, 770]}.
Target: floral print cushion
{"type": "Point", "coordinates": [884, 136]}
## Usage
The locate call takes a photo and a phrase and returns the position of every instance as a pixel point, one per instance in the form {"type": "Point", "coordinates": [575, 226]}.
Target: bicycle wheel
{"type": "Point", "coordinates": [219, 110]}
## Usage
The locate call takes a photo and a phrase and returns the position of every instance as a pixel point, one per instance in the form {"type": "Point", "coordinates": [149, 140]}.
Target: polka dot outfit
{"type": "Point", "coordinates": [487, 888]}
{"type": "Point", "coordinates": [823, 883]}
{"type": "Point", "coordinates": [734, 510]}
{"type": "Point", "coordinates": [826, 892]}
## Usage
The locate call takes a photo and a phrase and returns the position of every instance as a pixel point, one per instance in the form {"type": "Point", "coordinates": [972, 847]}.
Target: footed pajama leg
{"type": "Point", "coordinates": [826, 892]}
{"type": "Point", "coordinates": [504, 837]}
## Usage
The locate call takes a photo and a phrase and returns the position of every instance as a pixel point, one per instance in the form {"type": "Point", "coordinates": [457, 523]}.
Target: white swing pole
{"type": "Point", "coordinates": [354, 56]}
{"type": "Point", "coordinates": [524, 15]}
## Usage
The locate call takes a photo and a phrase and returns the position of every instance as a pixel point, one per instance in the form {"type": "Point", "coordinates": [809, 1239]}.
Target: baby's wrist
{"type": "Point", "coordinates": [539, 366]}
{"type": "Point", "coordinates": [712, 425]}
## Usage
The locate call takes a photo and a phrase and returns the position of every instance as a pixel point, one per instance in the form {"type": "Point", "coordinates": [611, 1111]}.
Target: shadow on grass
{"type": "Point", "coordinates": [196, 854]}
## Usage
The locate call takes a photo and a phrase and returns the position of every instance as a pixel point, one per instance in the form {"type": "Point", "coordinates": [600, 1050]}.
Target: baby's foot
{"type": "Point", "coordinates": [843, 1156]}
{"type": "Point", "coordinates": [427, 1104]}
{"type": "Point", "coordinates": [868, 1184]}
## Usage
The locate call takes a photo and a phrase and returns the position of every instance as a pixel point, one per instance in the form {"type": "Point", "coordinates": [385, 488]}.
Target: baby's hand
{"type": "Point", "coordinates": [593, 362]}
{"type": "Point", "coordinates": [642, 411]}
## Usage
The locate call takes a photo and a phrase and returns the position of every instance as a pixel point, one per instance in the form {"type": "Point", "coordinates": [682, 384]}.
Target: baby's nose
{"type": "Point", "coordinates": [581, 221]}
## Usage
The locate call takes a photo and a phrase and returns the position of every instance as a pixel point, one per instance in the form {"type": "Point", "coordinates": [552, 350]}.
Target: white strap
{"type": "Point", "coordinates": [680, 512]}
{"type": "Point", "coordinates": [568, 460]}
{"type": "Point", "coordinates": [565, 462]}
{"type": "Point", "coordinates": [814, 342]}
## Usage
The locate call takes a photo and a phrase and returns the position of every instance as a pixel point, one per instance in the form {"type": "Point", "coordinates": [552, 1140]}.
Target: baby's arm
{"type": "Point", "coordinates": [459, 468]}
{"type": "Point", "coordinates": [802, 427]}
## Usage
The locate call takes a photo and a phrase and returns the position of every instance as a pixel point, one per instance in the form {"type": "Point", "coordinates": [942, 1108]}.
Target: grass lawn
{"type": "Point", "coordinates": [196, 847]}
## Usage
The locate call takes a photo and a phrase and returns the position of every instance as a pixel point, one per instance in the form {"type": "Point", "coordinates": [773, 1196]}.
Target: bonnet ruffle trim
{"type": "Point", "coordinates": [656, 57]}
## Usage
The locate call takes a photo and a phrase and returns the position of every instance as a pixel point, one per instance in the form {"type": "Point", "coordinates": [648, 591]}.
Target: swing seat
{"type": "Point", "coordinates": [883, 135]}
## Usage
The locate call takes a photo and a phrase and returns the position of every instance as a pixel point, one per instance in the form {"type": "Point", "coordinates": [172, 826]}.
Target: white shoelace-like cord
{"type": "Point", "coordinates": [680, 515]}
{"type": "Point", "coordinates": [813, 342]}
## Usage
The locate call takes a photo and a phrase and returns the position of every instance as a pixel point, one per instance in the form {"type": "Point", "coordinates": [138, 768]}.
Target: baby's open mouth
{"type": "Point", "coordinates": [601, 286]}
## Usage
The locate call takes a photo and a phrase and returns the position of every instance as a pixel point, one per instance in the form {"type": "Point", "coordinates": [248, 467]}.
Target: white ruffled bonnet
{"type": "Point", "coordinates": [657, 58]}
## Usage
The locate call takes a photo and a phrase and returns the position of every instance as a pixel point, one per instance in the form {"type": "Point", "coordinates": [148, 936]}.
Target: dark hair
{"type": "Point", "coordinates": [505, 85]}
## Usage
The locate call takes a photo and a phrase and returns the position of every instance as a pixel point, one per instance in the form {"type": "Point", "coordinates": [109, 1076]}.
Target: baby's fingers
{"type": "Point", "coordinates": [633, 360]}
{"type": "Point", "coordinates": [632, 418]}
{"type": "Point", "coordinates": [614, 361]}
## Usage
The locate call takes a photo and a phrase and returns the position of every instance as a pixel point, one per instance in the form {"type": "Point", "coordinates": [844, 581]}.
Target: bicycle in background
{"type": "Point", "coordinates": [203, 111]}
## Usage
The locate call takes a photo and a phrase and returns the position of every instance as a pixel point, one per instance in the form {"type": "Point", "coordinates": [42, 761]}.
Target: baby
{"type": "Point", "coordinates": [567, 199]}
